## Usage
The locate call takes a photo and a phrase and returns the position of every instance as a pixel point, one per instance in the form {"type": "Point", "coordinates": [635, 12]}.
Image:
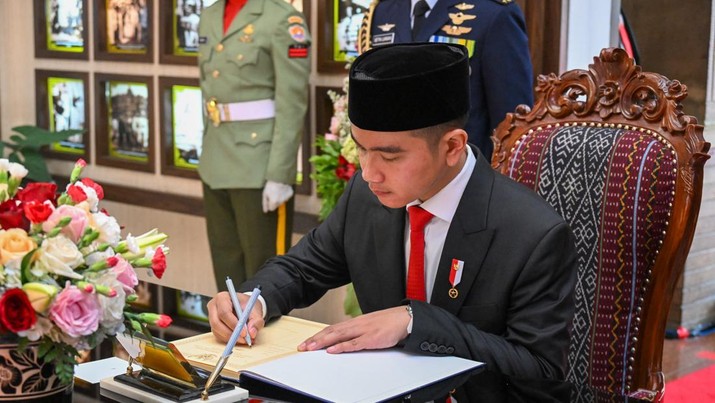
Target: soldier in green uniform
{"type": "Point", "coordinates": [254, 66]}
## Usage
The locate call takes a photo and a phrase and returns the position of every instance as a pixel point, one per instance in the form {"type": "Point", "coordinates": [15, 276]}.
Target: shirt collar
{"type": "Point", "coordinates": [444, 203]}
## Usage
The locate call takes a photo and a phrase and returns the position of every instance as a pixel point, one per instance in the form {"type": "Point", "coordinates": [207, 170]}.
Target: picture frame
{"type": "Point", "coordinates": [61, 29]}
{"type": "Point", "coordinates": [179, 30]}
{"type": "Point", "coordinates": [304, 183]}
{"type": "Point", "coordinates": [62, 103]}
{"type": "Point", "coordinates": [182, 126]}
{"type": "Point", "coordinates": [147, 297]}
{"type": "Point", "coordinates": [123, 30]}
{"type": "Point", "coordinates": [339, 21]}
{"type": "Point", "coordinates": [124, 123]}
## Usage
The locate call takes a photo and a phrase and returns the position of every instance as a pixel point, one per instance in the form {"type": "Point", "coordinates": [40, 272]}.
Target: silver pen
{"type": "Point", "coordinates": [236, 305]}
{"type": "Point", "coordinates": [231, 342]}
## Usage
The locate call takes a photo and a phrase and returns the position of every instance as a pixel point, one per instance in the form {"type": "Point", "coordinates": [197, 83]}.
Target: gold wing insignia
{"type": "Point", "coordinates": [464, 6]}
{"type": "Point", "coordinates": [460, 17]}
{"type": "Point", "coordinates": [456, 30]}
{"type": "Point", "coordinates": [386, 27]}
{"type": "Point", "coordinates": [363, 39]}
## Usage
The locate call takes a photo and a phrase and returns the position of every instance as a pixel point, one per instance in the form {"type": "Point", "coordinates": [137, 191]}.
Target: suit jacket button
{"type": "Point", "coordinates": [239, 57]}
{"type": "Point", "coordinates": [424, 346]}
{"type": "Point", "coordinates": [441, 349]}
{"type": "Point", "coordinates": [215, 74]}
{"type": "Point", "coordinates": [450, 350]}
{"type": "Point", "coordinates": [254, 135]}
{"type": "Point", "coordinates": [219, 47]}
{"type": "Point", "coordinates": [432, 348]}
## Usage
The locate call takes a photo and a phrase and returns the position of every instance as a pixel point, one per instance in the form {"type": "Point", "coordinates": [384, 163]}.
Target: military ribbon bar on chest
{"type": "Point", "coordinates": [455, 276]}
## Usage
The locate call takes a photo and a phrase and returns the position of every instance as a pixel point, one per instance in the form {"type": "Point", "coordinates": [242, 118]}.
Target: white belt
{"type": "Point", "coordinates": [237, 111]}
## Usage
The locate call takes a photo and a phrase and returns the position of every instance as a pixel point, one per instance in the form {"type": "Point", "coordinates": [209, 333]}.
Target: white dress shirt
{"type": "Point", "coordinates": [442, 205]}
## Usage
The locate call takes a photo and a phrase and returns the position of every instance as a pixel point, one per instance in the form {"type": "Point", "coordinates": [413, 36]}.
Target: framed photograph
{"type": "Point", "coordinates": [61, 29]}
{"type": "Point", "coordinates": [123, 30]}
{"type": "Point", "coordinates": [179, 30]}
{"type": "Point", "coordinates": [338, 41]}
{"type": "Point", "coordinates": [61, 105]}
{"type": "Point", "coordinates": [182, 126]}
{"type": "Point", "coordinates": [147, 297]}
{"type": "Point", "coordinates": [303, 182]}
{"type": "Point", "coordinates": [124, 124]}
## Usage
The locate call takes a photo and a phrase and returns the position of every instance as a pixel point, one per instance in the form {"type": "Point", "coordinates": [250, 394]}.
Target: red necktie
{"type": "Point", "coordinates": [232, 9]}
{"type": "Point", "coordinates": [419, 218]}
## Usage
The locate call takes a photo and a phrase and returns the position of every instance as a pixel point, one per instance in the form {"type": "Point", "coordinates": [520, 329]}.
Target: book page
{"type": "Point", "coordinates": [279, 338]}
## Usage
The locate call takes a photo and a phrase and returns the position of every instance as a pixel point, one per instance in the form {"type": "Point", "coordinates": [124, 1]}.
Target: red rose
{"type": "Point", "coordinates": [76, 193]}
{"type": "Point", "coordinates": [37, 212]}
{"type": "Point", "coordinates": [11, 215]}
{"type": "Point", "coordinates": [158, 263]}
{"type": "Point", "coordinates": [16, 313]}
{"type": "Point", "coordinates": [38, 191]}
{"type": "Point", "coordinates": [94, 185]}
{"type": "Point", "coordinates": [345, 170]}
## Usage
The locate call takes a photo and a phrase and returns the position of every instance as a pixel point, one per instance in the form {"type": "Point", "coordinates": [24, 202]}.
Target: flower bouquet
{"type": "Point", "coordinates": [66, 274]}
{"type": "Point", "coordinates": [337, 158]}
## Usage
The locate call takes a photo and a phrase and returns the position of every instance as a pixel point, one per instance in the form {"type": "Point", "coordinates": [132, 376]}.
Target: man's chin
{"type": "Point", "coordinates": [388, 200]}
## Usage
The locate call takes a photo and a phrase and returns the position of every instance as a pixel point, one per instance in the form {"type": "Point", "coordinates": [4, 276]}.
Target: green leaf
{"type": "Point", "coordinates": [25, 147]}
{"type": "Point", "coordinates": [36, 166]}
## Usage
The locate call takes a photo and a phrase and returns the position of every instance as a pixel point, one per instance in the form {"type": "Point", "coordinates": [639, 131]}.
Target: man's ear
{"type": "Point", "coordinates": [455, 142]}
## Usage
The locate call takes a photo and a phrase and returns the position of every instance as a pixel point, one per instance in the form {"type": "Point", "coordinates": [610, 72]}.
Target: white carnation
{"type": "Point", "coordinates": [108, 227]}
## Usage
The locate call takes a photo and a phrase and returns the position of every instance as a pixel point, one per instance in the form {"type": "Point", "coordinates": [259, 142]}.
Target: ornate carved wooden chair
{"type": "Point", "coordinates": [611, 150]}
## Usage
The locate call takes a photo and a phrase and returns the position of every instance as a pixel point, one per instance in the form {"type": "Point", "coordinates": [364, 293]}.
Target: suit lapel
{"type": "Point", "coordinates": [438, 18]}
{"type": "Point", "coordinates": [389, 227]}
{"type": "Point", "coordinates": [468, 238]}
{"type": "Point", "coordinates": [403, 24]}
{"type": "Point", "coordinates": [249, 13]}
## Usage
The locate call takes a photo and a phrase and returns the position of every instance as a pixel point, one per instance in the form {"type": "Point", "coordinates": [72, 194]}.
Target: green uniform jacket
{"type": "Point", "coordinates": [262, 56]}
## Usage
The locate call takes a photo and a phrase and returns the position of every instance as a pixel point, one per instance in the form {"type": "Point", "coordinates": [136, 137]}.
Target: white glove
{"type": "Point", "coordinates": [275, 194]}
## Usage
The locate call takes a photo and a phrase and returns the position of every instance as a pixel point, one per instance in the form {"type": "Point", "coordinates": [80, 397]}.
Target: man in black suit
{"type": "Point", "coordinates": [499, 264]}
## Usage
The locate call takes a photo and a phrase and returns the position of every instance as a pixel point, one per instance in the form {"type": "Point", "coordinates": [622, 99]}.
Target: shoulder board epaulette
{"type": "Point", "coordinates": [364, 40]}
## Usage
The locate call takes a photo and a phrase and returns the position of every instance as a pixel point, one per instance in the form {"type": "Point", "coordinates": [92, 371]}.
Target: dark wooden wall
{"type": "Point", "coordinates": [543, 25]}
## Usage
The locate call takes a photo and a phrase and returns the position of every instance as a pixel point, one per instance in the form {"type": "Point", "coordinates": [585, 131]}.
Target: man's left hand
{"type": "Point", "coordinates": [372, 331]}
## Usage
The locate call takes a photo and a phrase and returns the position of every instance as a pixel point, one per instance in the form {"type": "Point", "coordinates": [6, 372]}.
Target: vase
{"type": "Point", "coordinates": [26, 377]}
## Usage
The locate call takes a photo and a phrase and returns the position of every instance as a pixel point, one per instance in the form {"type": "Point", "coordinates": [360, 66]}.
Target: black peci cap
{"type": "Point", "coordinates": [408, 86]}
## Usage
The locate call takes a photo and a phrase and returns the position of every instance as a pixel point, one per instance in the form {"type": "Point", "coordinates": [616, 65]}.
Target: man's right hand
{"type": "Point", "coordinates": [223, 319]}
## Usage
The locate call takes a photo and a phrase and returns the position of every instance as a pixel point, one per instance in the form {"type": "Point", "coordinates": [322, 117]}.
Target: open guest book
{"type": "Point", "coordinates": [274, 363]}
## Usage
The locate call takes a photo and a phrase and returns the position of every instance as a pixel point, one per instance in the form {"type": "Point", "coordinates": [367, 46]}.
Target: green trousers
{"type": "Point", "coordinates": [241, 236]}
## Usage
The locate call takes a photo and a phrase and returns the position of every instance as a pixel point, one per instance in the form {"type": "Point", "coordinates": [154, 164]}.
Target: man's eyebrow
{"type": "Point", "coordinates": [385, 149]}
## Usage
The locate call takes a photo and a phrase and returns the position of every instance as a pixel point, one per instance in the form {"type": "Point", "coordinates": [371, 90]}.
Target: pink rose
{"type": "Point", "coordinates": [126, 275]}
{"type": "Point", "coordinates": [334, 126]}
{"type": "Point", "coordinates": [76, 312]}
{"type": "Point", "coordinates": [75, 229]}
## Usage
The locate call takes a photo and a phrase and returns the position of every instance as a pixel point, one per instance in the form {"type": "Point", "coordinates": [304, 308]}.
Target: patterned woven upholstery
{"type": "Point", "coordinates": [610, 149]}
{"type": "Point", "coordinates": [615, 188]}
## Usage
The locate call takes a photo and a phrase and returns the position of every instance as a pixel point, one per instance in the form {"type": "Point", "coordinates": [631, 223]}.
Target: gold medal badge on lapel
{"type": "Point", "coordinates": [247, 34]}
{"type": "Point", "coordinates": [455, 276]}
{"type": "Point", "coordinates": [456, 30]}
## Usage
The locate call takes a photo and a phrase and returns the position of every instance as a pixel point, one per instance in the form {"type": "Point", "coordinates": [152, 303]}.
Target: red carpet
{"type": "Point", "coordinates": [698, 386]}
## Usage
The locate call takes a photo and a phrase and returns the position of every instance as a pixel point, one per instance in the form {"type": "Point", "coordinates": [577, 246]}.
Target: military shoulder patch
{"type": "Point", "coordinates": [297, 32]}
{"type": "Point", "coordinates": [295, 19]}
